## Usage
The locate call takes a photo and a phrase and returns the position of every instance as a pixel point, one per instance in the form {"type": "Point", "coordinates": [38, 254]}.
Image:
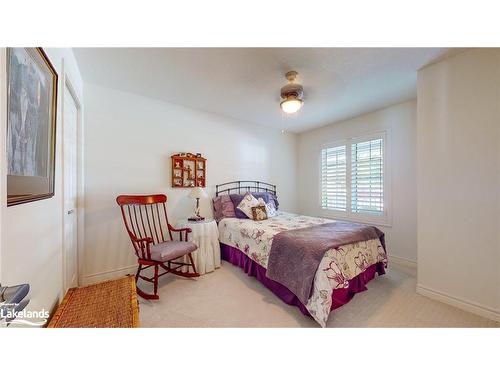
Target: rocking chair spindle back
{"type": "Point", "coordinates": [146, 221]}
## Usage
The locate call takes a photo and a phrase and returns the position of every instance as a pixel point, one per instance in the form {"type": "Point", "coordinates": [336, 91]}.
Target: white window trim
{"type": "Point", "coordinates": [386, 218]}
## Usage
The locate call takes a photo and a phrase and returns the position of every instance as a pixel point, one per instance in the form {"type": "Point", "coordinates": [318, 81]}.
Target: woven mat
{"type": "Point", "coordinates": [110, 304]}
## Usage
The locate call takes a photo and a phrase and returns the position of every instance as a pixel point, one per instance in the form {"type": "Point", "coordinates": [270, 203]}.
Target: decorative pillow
{"type": "Point", "coordinates": [217, 206]}
{"type": "Point", "coordinates": [259, 212]}
{"type": "Point", "coordinates": [227, 206]}
{"type": "Point", "coordinates": [266, 196]}
{"type": "Point", "coordinates": [270, 208]}
{"type": "Point", "coordinates": [223, 207]}
{"type": "Point", "coordinates": [246, 205]}
{"type": "Point", "coordinates": [272, 198]}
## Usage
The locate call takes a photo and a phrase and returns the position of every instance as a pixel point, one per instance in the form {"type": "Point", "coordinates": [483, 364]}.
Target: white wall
{"type": "Point", "coordinates": [399, 123]}
{"type": "Point", "coordinates": [458, 146]}
{"type": "Point", "coordinates": [128, 143]}
{"type": "Point", "coordinates": [3, 151]}
{"type": "Point", "coordinates": [32, 232]}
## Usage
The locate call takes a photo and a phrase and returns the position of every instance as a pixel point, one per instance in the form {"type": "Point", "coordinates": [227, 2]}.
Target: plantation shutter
{"type": "Point", "coordinates": [367, 179]}
{"type": "Point", "coordinates": [333, 178]}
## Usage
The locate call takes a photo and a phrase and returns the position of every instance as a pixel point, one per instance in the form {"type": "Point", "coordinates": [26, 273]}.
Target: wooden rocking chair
{"type": "Point", "coordinates": [146, 221]}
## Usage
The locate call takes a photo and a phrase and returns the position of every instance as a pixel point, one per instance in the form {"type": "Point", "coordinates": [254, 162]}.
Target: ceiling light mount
{"type": "Point", "coordinates": [292, 93]}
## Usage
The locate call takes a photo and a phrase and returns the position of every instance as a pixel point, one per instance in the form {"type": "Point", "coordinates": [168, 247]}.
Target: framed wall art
{"type": "Point", "coordinates": [31, 125]}
{"type": "Point", "coordinates": [188, 170]}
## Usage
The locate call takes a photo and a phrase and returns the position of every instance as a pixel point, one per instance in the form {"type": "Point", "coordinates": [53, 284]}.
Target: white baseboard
{"type": "Point", "coordinates": [107, 275]}
{"type": "Point", "coordinates": [401, 261]}
{"type": "Point", "coordinates": [468, 306]}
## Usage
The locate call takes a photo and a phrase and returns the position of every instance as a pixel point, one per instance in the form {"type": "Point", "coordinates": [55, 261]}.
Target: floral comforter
{"type": "Point", "coordinates": [337, 267]}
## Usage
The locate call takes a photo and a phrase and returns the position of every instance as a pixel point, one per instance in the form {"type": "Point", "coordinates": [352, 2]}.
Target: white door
{"type": "Point", "coordinates": [70, 147]}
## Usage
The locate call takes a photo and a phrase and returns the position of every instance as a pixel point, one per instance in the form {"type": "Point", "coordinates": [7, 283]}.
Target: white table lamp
{"type": "Point", "coordinates": [197, 193]}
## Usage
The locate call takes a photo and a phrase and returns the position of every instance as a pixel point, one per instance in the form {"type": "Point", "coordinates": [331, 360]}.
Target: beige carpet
{"type": "Point", "coordinates": [229, 298]}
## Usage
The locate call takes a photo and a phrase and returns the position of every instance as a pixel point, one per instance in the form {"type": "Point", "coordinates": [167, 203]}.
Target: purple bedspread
{"type": "Point", "coordinates": [296, 254]}
{"type": "Point", "coordinates": [339, 296]}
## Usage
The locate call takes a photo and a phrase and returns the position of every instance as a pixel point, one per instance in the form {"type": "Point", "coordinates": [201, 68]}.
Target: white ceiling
{"type": "Point", "coordinates": [244, 83]}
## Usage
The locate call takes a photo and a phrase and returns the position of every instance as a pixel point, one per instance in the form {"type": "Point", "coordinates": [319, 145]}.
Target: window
{"type": "Point", "coordinates": [367, 177]}
{"type": "Point", "coordinates": [333, 178]}
{"type": "Point", "coordinates": [353, 179]}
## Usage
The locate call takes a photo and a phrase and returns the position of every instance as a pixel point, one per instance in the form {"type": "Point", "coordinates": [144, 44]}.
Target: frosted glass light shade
{"type": "Point", "coordinates": [291, 105]}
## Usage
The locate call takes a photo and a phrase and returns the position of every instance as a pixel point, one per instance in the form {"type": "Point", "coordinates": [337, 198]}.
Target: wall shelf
{"type": "Point", "coordinates": [188, 170]}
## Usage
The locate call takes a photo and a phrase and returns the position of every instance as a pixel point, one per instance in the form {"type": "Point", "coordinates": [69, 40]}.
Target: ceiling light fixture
{"type": "Point", "coordinates": [292, 93]}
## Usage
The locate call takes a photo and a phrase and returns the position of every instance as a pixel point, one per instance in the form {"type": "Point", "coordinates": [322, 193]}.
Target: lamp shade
{"type": "Point", "coordinates": [197, 192]}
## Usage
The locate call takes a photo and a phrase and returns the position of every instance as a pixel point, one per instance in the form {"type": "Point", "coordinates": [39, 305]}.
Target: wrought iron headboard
{"type": "Point", "coordinates": [239, 187]}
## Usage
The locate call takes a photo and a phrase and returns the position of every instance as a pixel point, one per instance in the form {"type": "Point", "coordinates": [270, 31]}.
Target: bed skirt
{"type": "Point", "coordinates": [339, 296]}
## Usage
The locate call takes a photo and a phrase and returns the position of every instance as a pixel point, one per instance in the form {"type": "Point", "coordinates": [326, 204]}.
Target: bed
{"type": "Point", "coordinates": [342, 271]}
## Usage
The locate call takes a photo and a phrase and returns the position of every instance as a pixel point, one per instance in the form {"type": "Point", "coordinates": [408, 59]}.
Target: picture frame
{"type": "Point", "coordinates": [31, 125]}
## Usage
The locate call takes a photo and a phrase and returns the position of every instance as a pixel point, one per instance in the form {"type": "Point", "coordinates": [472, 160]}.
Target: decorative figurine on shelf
{"type": "Point", "coordinates": [188, 170]}
{"type": "Point", "coordinates": [197, 193]}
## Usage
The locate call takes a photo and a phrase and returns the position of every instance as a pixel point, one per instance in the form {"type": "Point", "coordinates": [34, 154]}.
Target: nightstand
{"type": "Point", "coordinates": [206, 236]}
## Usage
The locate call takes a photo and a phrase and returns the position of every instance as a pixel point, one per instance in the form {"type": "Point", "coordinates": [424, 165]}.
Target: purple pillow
{"type": "Point", "coordinates": [223, 207]}
{"type": "Point", "coordinates": [237, 198]}
{"type": "Point", "coordinates": [272, 198]}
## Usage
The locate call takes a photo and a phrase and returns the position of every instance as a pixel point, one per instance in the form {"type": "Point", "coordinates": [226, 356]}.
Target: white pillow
{"type": "Point", "coordinates": [247, 203]}
{"type": "Point", "coordinates": [270, 209]}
